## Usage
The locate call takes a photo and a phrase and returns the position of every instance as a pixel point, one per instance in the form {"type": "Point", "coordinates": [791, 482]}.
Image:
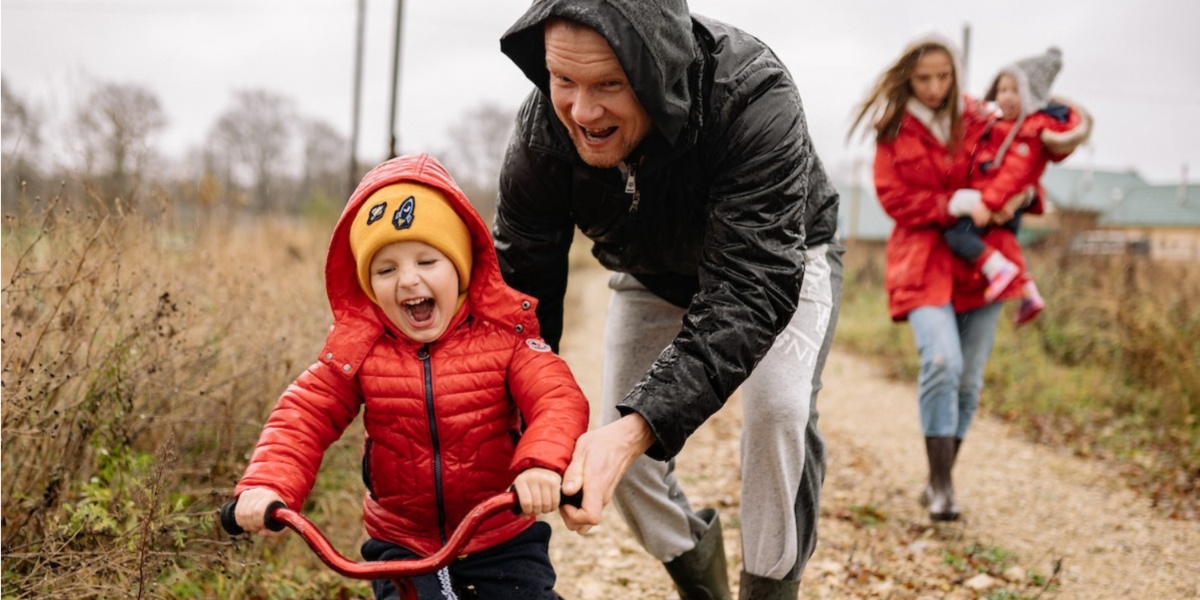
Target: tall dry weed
{"type": "Point", "coordinates": [139, 361]}
{"type": "Point", "coordinates": [1129, 315]}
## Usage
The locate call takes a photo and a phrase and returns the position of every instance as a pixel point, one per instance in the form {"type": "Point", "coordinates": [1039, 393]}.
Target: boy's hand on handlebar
{"type": "Point", "coordinates": [252, 510]}
{"type": "Point", "coordinates": [538, 490]}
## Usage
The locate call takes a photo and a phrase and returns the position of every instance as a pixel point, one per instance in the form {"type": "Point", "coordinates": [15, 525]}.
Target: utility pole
{"type": "Point", "coordinates": [966, 57]}
{"type": "Point", "coordinates": [358, 59]}
{"type": "Point", "coordinates": [396, 76]}
{"type": "Point", "coordinates": [855, 201]}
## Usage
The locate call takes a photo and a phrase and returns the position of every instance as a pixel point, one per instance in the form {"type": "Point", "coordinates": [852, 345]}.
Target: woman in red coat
{"type": "Point", "coordinates": [461, 398]}
{"type": "Point", "coordinates": [925, 131]}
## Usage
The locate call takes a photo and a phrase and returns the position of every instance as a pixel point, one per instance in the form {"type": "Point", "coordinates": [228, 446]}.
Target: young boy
{"type": "Point", "coordinates": [1030, 131]}
{"type": "Point", "coordinates": [461, 399]}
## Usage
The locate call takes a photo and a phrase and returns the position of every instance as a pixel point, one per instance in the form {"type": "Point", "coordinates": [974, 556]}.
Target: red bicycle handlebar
{"type": "Point", "coordinates": [396, 568]}
{"type": "Point", "coordinates": [399, 571]}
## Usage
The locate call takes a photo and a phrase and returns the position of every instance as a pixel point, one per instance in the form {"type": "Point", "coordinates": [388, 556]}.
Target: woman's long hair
{"type": "Point", "coordinates": [887, 101]}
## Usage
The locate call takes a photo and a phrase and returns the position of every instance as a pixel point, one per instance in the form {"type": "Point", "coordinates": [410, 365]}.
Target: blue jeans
{"type": "Point", "coordinates": [954, 349]}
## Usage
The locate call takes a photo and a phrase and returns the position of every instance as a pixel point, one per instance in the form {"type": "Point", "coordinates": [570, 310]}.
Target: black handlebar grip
{"type": "Point", "coordinates": [229, 518]}
{"type": "Point", "coordinates": [575, 499]}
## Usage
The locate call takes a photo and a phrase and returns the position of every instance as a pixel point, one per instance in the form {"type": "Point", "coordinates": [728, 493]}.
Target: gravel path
{"type": "Point", "coordinates": [1046, 512]}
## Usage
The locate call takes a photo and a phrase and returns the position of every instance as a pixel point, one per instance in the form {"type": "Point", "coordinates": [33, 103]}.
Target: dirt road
{"type": "Point", "coordinates": [1038, 523]}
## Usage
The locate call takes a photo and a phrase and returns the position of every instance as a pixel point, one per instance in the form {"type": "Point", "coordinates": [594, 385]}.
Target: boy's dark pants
{"type": "Point", "coordinates": [518, 569]}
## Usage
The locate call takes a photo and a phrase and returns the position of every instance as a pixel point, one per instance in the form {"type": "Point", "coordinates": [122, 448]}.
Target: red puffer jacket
{"type": "Point", "coordinates": [1049, 135]}
{"type": "Point", "coordinates": [915, 176]}
{"type": "Point", "coordinates": [443, 420]}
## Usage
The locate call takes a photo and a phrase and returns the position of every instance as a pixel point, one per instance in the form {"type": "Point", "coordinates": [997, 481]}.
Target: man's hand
{"type": "Point", "coordinates": [251, 510]}
{"type": "Point", "coordinates": [538, 490]}
{"type": "Point", "coordinates": [600, 460]}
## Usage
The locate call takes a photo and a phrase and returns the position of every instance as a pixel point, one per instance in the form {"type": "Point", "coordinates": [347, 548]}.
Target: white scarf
{"type": "Point", "coordinates": [937, 122]}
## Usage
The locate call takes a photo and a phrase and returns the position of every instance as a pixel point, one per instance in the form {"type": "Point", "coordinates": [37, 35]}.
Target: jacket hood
{"type": "Point", "coordinates": [488, 296]}
{"type": "Point", "coordinates": [652, 40]}
{"type": "Point", "coordinates": [1065, 142]}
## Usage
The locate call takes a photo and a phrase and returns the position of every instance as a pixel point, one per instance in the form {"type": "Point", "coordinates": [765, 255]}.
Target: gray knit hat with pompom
{"type": "Point", "coordinates": [1034, 77]}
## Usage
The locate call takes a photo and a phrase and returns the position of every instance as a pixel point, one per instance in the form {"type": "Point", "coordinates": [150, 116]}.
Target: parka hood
{"type": "Point", "coordinates": [652, 40]}
{"type": "Point", "coordinates": [956, 59]}
{"type": "Point", "coordinates": [1061, 143]}
{"type": "Point", "coordinates": [358, 321]}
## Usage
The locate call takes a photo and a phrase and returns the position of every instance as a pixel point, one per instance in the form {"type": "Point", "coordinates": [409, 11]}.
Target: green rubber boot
{"type": "Point", "coordinates": [753, 587]}
{"type": "Point", "coordinates": [699, 573]}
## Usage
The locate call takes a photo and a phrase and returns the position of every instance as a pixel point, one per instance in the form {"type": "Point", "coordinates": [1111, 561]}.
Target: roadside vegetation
{"type": "Point", "coordinates": [141, 356]}
{"type": "Point", "coordinates": [1110, 369]}
{"type": "Point", "coordinates": [143, 349]}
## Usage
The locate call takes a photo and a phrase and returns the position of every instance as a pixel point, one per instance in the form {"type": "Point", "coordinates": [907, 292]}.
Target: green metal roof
{"type": "Point", "coordinates": [1087, 189]}
{"type": "Point", "coordinates": [1156, 206]}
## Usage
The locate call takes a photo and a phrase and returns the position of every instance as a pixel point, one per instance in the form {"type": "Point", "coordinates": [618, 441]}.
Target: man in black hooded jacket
{"type": "Point", "coordinates": [678, 145]}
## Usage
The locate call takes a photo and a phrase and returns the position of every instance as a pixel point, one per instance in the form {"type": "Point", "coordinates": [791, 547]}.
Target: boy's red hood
{"type": "Point", "coordinates": [358, 322]}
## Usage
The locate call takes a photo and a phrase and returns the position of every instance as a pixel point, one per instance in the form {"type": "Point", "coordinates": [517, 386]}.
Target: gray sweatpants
{"type": "Point", "coordinates": [783, 454]}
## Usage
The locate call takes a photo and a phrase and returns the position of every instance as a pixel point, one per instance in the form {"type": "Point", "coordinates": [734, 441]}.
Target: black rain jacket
{"type": "Point", "coordinates": [726, 194]}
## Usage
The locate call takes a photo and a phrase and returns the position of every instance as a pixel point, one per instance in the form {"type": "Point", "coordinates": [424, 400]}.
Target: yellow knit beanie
{"type": "Point", "coordinates": [406, 212]}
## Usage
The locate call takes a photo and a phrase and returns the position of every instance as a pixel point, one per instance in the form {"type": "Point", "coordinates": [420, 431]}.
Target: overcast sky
{"type": "Point", "coordinates": [1134, 64]}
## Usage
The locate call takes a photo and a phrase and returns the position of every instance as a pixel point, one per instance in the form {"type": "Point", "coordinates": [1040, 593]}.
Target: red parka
{"type": "Point", "coordinates": [449, 423]}
{"type": "Point", "coordinates": [1046, 136]}
{"type": "Point", "coordinates": [915, 176]}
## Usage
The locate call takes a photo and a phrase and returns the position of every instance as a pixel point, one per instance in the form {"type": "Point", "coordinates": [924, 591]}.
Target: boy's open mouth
{"type": "Point", "coordinates": [419, 310]}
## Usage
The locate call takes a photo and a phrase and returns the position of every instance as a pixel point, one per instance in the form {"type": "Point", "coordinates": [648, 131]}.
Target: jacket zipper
{"type": "Point", "coordinates": [423, 355]}
{"type": "Point", "coordinates": [631, 185]}
{"type": "Point", "coordinates": [366, 468]}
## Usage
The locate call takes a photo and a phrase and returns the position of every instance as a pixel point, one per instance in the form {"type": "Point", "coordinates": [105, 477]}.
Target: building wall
{"type": "Point", "coordinates": [1178, 245]}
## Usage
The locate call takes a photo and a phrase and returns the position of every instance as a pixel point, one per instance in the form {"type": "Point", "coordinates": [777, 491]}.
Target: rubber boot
{"type": "Point", "coordinates": [941, 451]}
{"type": "Point", "coordinates": [754, 587]}
{"type": "Point", "coordinates": [927, 493]}
{"type": "Point", "coordinates": [699, 573]}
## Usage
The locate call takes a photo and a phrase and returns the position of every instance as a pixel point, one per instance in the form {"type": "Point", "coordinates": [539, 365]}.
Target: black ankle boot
{"type": "Point", "coordinates": [699, 573]}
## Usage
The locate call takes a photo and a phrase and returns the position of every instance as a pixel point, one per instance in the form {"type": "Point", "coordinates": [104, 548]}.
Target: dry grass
{"type": "Point", "coordinates": [141, 356]}
{"type": "Point", "coordinates": [1110, 368]}
{"type": "Point", "coordinates": [138, 364]}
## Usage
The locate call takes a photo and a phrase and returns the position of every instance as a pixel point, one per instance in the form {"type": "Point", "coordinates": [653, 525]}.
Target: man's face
{"type": "Point", "coordinates": [592, 96]}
